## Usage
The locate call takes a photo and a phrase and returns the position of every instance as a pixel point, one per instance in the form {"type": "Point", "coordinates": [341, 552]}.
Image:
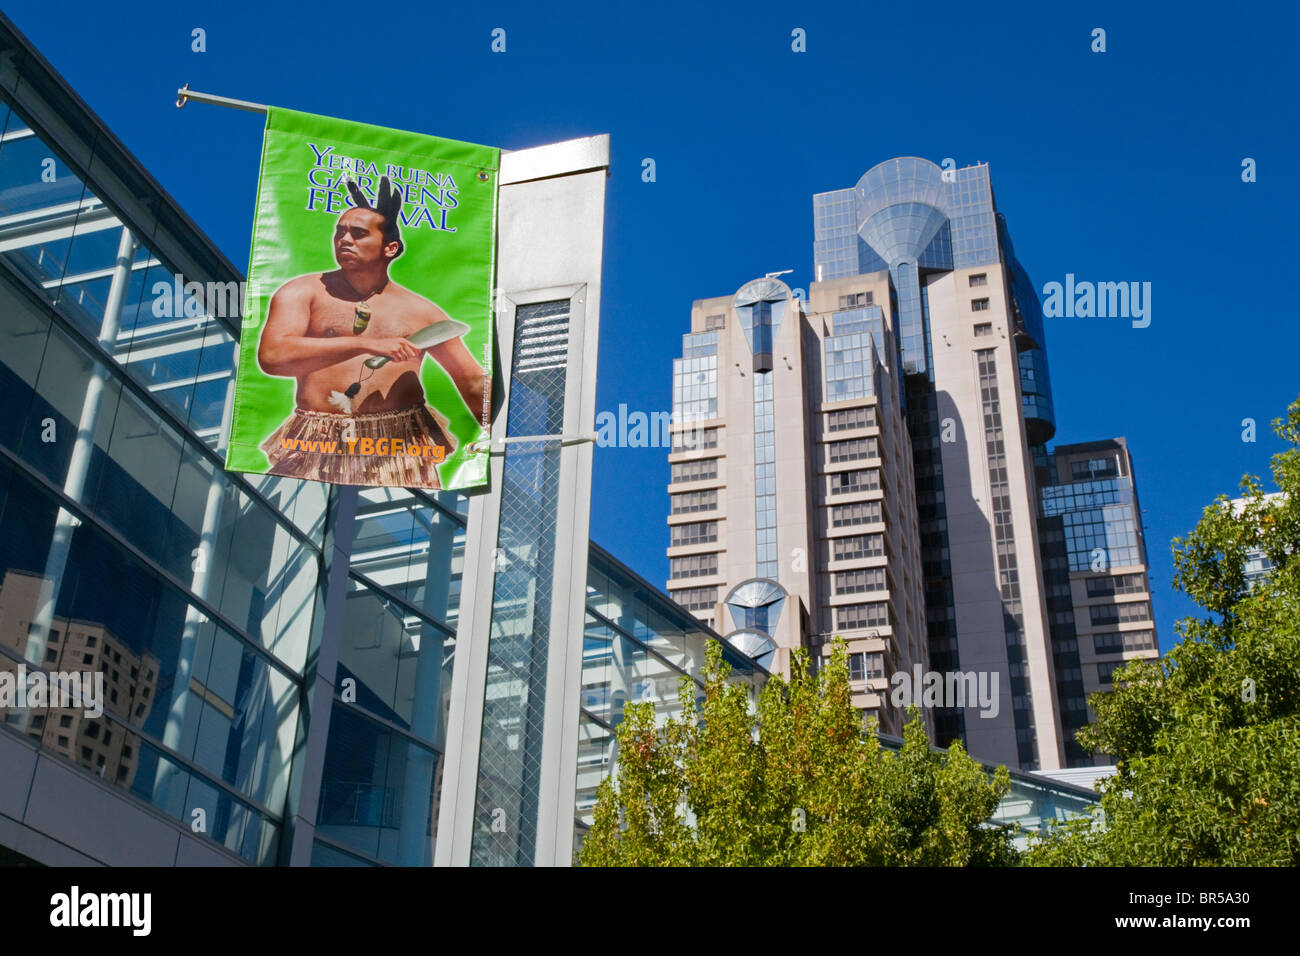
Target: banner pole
{"type": "Point", "coordinates": [185, 94]}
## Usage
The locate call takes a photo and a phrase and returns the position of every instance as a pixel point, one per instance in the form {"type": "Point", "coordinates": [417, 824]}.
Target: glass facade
{"type": "Point", "coordinates": [1027, 320]}
{"type": "Point", "coordinates": [511, 747]}
{"type": "Point", "coordinates": [1099, 521]}
{"type": "Point", "coordinates": [904, 215]}
{"type": "Point", "coordinates": [695, 379]}
{"type": "Point", "coordinates": [1071, 700]}
{"type": "Point", "coordinates": [851, 366]}
{"type": "Point", "coordinates": [761, 305]}
{"type": "Point", "coordinates": [126, 548]}
{"type": "Point", "coordinates": [396, 650]}
{"type": "Point", "coordinates": [835, 224]}
{"type": "Point", "coordinates": [638, 646]}
{"type": "Point", "coordinates": [767, 563]}
{"type": "Point", "coordinates": [969, 206]}
{"type": "Point", "coordinates": [868, 319]}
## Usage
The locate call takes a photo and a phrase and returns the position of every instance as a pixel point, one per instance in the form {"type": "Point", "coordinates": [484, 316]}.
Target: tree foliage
{"type": "Point", "coordinates": [1207, 739]}
{"type": "Point", "coordinates": [796, 780]}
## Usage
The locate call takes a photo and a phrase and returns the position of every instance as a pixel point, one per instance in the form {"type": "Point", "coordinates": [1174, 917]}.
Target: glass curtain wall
{"type": "Point", "coordinates": [127, 554]}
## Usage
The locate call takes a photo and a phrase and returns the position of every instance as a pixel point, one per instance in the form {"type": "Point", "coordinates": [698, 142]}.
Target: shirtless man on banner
{"type": "Point", "coordinates": [322, 328]}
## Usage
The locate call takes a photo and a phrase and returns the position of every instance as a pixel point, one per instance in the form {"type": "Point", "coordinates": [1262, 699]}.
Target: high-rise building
{"type": "Point", "coordinates": [791, 505]}
{"type": "Point", "coordinates": [1095, 568]}
{"type": "Point", "coordinates": [921, 351]}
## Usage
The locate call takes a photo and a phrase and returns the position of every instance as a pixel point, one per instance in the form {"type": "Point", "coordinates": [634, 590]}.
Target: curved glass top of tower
{"type": "Point", "coordinates": [901, 206]}
{"type": "Point", "coordinates": [905, 179]}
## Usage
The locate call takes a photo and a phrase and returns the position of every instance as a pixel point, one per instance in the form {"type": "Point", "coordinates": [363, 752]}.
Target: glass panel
{"type": "Point", "coordinates": [88, 274]}
{"type": "Point", "coordinates": [377, 791]}
{"type": "Point", "coordinates": [596, 747]}
{"type": "Point", "coordinates": [510, 751]}
{"type": "Point", "coordinates": [401, 664]}
{"type": "Point", "coordinates": [41, 202]}
{"type": "Point", "coordinates": [137, 475]}
{"type": "Point", "coordinates": [60, 395]}
{"type": "Point", "coordinates": [229, 821]}
{"type": "Point", "coordinates": [166, 671]}
{"type": "Point", "coordinates": [23, 338]}
{"type": "Point", "coordinates": [249, 578]}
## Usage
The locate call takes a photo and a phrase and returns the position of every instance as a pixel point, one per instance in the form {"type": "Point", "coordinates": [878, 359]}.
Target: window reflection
{"type": "Point", "coordinates": [195, 716]}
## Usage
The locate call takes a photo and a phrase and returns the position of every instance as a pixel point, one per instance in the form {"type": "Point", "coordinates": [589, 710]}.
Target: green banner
{"type": "Point", "coordinates": [366, 351]}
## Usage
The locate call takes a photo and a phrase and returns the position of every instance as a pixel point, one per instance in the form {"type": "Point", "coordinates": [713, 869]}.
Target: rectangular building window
{"type": "Point", "coordinates": [855, 299]}
{"type": "Point", "coordinates": [697, 532]}
{"type": "Point", "coordinates": [1094, 468]}
{"type": "Point", "coordinates": [1105, 669]}
{"type": "Point", "coordinates": [693, 501]}
{"type": "Point", "coordinates": [712, 322]}
{"type": "Point", "coordinates": [860, 512]}
{"type": "Point", "coordinates": [983, 328]}
{"type": "Point", "coordinates": [979, 278]}
{"type": "Point", "coordinates": [1116, 584]}
{"type": "Point", "coordinates": [857, 670]}
{"type": "Point", "coordinates": [873, 664]}
{"type": "Point", "coordinates": [696, 599]}
{"type": "Point", "coordinates": [848, 482]}
{"type": "Point", "coordinates": [1130, 583]}
{"type": "Point", "coordinates": [1134, 611]}
{"type": "Point", "coordinates": [865, 665]}
{"type": "Point", "coordinates": [693, 566]}
{"type": "Point", "coordinates": [696, 439]}
{"type": "Point", "coordinates": [1120, 613]}
{"type": "Point", "coordinates": [1104, 614]}
{"type": "Point", "coordinates": [704, 470]}
{"type": "Point", "coordinates": [1101, 587]}
{"type": "Point", "coordinates": [862, 615]}
{"type": "Point", "coordinates": [1116, 642]}
{"type": "Point", "coordinates": [860, 581]}
{"type": "Point", "coordinates": [847, 418]}
{"type": "Point", "coordinates": [858, 546]}
{"type": "Point", "coordinates": [979, 305]}
{"type": "Point", "coordinates": [855, 449]}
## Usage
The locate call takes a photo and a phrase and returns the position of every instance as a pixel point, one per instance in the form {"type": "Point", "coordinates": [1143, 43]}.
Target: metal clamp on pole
{"type": "Point", "coordinates": [497, 447]}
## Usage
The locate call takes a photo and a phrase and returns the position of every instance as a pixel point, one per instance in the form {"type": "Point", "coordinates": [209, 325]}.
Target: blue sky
{"type": "Point", "coordinates": [1115, 166]}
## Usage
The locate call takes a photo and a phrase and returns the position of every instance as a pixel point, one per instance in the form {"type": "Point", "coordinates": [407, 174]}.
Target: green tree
{"type": "Point", "coordinates": [1206, 740]}
{"type": "Point", "coordinates": [794, 780]}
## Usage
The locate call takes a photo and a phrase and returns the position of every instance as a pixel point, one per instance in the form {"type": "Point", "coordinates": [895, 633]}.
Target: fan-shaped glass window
{"type": "Point", "coordinates": [754, 645]}
{"type": "Point", "coordinates": [756, 605]}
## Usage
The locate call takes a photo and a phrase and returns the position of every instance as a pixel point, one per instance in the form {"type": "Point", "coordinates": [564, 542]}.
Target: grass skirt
{"type": "Point", "coordinates": [346, 449]}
